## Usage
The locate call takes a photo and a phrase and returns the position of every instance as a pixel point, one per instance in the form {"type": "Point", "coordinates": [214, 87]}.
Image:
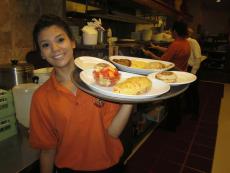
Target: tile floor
{"type": "Point", "coordinates": [188, 150]}
{"type": "Point", "coordinates": [222, 149]}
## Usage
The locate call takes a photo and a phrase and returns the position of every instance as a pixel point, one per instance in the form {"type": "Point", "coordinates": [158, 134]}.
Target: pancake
{"type": "Point", "coordinates": [133, 86]}
{"type": "Point", "coordinates": [166, 76]}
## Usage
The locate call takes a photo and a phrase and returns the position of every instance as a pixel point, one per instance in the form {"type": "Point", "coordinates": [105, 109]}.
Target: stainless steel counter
{"type": "Point", "coordinates": [16, 154]}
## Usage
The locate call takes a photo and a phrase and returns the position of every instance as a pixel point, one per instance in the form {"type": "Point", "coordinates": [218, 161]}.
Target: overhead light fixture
{"type": "Point", "coordinates": [218, 1]}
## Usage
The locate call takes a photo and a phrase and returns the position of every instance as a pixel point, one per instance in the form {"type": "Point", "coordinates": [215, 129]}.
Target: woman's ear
{"type": "Point", "coordinates": [73, 42]}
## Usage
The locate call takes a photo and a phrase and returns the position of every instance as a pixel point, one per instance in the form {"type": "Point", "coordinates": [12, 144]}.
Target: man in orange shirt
{"type": "Point", "coordinates": [74, 131]}
{"type": "Point", "coordinates": [179, 50]}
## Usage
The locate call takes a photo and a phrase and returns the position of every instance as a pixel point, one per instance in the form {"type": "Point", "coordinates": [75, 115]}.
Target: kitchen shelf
{"type": "Point", "coordinates": [217, 51]}
{"type": "Point", "coordinates": [118, 16]}
{"type": "Point", "coordinates": [162, 7]}
{"type": "Point", "coordinates": [109, 12]}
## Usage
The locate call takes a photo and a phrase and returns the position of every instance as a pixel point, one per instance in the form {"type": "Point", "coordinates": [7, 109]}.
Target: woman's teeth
{"type": "Point", "coordinates": [58, 56]}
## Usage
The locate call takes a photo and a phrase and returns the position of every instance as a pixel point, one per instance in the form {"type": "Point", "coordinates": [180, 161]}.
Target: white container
{"type": "Point", "coordinates": [147, 35]}
{"type": "Point", "coordinates": [89, 39]}
{"type": "Point", "coordinates": [89, 35]}
{"type": "Point", "coordinates": [22, 99]}
{"type": "Point", "coordinates": [43, 74]}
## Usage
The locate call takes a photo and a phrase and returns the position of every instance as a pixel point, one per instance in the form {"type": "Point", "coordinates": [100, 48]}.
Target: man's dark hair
{"type": "Point", "coordinates": [181, 28]}
{"type": "Point", "coordinates": [48, 20]}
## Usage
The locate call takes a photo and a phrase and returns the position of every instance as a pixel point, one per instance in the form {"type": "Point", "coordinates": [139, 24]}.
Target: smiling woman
{"type": "Point", "coordinates": [58, 109]}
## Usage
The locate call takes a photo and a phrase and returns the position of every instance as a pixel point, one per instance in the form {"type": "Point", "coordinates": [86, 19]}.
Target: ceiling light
{"type": "Point", "coordinates": [218, 0]}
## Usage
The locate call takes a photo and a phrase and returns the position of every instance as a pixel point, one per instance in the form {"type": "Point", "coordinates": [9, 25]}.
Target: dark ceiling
{"type": "Point", "coordinates": [212, 4]}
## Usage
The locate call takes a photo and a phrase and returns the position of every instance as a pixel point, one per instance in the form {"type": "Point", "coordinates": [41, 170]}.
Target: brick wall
{"type": "Point", "coordinates": [17, 18]}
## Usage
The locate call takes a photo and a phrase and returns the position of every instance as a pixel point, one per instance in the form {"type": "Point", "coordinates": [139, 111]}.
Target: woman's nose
{"type": "Point", "coordinates": [55, 46]}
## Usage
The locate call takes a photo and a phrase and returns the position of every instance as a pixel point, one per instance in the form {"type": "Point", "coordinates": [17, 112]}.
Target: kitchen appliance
{"type": "Point", "coordinates": [147, 34]}
{"type": "Point", "coordinates": [8, 126]}
{"type": "Point", "coordinates": [101, 39]}
{"type": "Point", "coordinates": [15, 73]}
{"type": "Point", "coordinates": [23, 92]}
{"type": "Point", "coordinates": [42, 74]}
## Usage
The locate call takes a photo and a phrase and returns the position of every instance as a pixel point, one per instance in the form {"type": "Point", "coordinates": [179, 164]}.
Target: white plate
{"type": "Point", "coordinates": [88, 62]}
{"type": "Point", "coordinates": [182, 78]}
{"type": "Point", "coordinates": [158, 87]}
{"type": "Point", "coordinates": [138, 70]}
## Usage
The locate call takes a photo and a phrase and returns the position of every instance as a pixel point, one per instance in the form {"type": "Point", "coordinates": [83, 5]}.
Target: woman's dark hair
{"type": "Point", "coordinates": [181, 28]}
{"type": "Point", "coordinates": [48, 20]}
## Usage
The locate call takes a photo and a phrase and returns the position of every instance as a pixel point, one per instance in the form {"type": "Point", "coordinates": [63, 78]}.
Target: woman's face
{"type": "Point", "coordinates": [56, 47]}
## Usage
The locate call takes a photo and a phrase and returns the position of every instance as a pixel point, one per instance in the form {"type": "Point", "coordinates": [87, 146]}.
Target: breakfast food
{"type": "Point", "coordinates": [133, 86]}
{"type": "Point", "coordinates": [166, 76]}
{"type": "Point", "coordinates": [105, 75]}
{"type": "Point", "coordinates": [125, 62]}
{"type": "Point", "coordinates": [146, 65]}
{"type": "Point", "coordinates": [156, 65]}
{"type": "Point", "coordinates": [139, 64]}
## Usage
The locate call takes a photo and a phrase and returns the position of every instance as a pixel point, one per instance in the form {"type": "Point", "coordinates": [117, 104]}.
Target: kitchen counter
{"type": "Point", "coordinates": [16, 154]}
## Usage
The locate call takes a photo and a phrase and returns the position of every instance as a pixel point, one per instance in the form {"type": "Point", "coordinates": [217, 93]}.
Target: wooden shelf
{"type": "Point", "coordinates": [164, 8]}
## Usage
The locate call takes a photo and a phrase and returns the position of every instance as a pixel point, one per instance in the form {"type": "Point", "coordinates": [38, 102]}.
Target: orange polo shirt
{"type": "Point", "coordinates": [75, 126]}
{"type": "Point", "coordinates": [178, 52]}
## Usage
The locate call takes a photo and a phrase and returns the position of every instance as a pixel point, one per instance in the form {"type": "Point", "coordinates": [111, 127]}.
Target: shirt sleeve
{"type": "Point", "coordinates": [41, 132]}
{"type": "Point", "coordinates": [196, 55]}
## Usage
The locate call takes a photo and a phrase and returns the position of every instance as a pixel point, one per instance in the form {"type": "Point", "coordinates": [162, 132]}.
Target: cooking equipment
{"type": "Point", "coordinates": [42, 74]}
{"type": "Point", "coordinates": [147, 34]}
{"type": "Point", "coordinates": [101, 39]}
{"type": "Point", "coordinates": [15, 73]}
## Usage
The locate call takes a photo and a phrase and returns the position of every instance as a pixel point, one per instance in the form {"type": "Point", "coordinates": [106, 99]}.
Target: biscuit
{"type": "Point", "coordinates": [166, 76]}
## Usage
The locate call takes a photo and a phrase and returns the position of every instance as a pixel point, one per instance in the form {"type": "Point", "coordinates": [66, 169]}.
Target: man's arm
{"type": "Point", "coordinates": [47, 160]}
{"type": "Point", "coordinates": [120, 120]}
{"type": "Point", "coordinates": [150, 54]}
{"type": "Point", "coordinates": [160, 48]}
{"type": "Point", "coordinates": [196, 52]}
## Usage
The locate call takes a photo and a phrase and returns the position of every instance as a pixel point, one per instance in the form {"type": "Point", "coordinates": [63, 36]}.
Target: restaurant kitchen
{"type": "Point", "coordinates": [16, 42]}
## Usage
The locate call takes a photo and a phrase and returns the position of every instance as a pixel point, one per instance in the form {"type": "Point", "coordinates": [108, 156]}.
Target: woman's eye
{"type": "Point", "coordinates": [61, 39]}
{"type": "Point", "coordinates": [45, 45]}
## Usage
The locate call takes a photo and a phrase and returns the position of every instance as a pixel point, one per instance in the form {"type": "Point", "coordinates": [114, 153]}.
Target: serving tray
{"type": "Point", "coordinates": [174, 91]}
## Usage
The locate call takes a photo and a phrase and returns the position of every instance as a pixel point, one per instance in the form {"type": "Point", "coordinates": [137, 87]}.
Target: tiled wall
{"type": "Point", "coordinates": [17, 18]}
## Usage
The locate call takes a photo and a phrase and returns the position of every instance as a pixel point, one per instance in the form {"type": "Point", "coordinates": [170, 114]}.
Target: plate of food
{"type": "Point", "coordinates": [141, 66]}
{"type": "Point", "coordinates": [88, 62]}
{"type": "Point", "coordinates": [174, 78]}
{"type": "Point", "coordinates": [123, 85]}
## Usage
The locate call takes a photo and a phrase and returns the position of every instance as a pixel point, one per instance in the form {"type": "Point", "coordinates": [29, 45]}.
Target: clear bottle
{"type": "Point", "coordinates": [109, 33]}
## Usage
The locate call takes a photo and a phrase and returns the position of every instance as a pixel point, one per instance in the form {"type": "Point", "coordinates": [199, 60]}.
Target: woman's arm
{"type": "Point", "coordinates": [120, 120]}
{"type": "Point", "coordinates": [47, 160]}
